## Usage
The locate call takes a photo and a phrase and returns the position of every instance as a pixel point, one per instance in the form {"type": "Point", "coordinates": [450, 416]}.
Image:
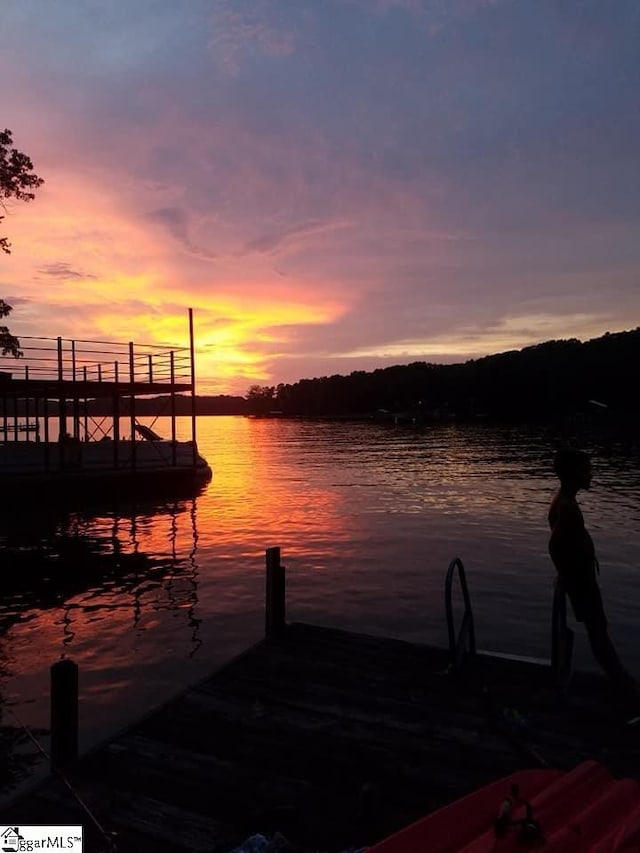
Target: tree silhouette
{"type": "Point", "coordinates": [17, 180]}
{"type": "Point", "coordinates": [260, 399]}
{"type": "Point", "coordinates": [9, 344]}
{"type": "Point", "coordinates": [554, 378]}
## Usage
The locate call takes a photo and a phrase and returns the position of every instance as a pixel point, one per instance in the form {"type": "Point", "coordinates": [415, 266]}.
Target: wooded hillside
{"type": "Point", "coordinates": [548, 379]}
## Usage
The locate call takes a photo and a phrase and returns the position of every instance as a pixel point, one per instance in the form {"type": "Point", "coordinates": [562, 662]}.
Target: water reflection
{"type": "Point", "coordinates": [54, 559]}
{"type": "Point", "coordinates": [74, 585]}
{"type": "Point", "coordinates": [267, 489]}
{"type": "Point", "coordinates": [152, 597]}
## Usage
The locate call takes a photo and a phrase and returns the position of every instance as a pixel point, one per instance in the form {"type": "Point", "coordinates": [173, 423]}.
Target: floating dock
{"type": "Point", "coordinates": [331, 738]}
{"type": "Point", "coordinates": [63, 408]}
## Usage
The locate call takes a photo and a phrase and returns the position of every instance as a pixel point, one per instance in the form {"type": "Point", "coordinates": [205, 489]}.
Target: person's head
{"type": "Point", "coordinates": [573, 468]}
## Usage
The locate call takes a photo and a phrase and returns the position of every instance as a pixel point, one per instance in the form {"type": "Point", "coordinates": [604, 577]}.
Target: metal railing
{"type": "Point", "coordinates": [462, 645]}
{"type": "Point", "coordinates": [97, 361]}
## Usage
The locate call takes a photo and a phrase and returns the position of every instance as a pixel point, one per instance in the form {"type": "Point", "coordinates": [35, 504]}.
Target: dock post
{"type": "Point", "coordinates": [275, 594]}
{"type": "Point", "coordinates": [76, 399]}
{"type": "Point", "coordinates": [172, 376]}
{"type": "Point", "coordinates": [116, 416]}
{"type": "Point", "coordinates": [64, 713]}
{"type": "Point", "coordinates": [192, 358]}
{"type": "Point", "coordinates": [132, 413]}
{"type": "Point", "coordinates": [62, 405]}
{"type": "Point", "coordinates": [86, 415]}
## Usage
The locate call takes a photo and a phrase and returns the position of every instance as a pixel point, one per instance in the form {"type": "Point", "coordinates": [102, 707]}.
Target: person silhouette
{"type": "Point", "coordinates": [573, 554]}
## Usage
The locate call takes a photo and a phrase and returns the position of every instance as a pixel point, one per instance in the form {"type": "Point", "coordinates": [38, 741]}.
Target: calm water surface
{"type": "Point", "coordinates": [368, 517]}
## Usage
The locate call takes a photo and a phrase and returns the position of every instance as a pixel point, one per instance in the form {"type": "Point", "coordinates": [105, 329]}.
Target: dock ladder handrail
{"type": "Point", "coordinates": [465, 643]}
{"type": "Point", "coordinates": [561, 638]}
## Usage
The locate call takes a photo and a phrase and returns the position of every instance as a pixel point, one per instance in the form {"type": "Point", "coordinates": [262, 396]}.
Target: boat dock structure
{"type": "Point", "coordinates": [69, 419]}
{"type": "Point", "coordinates": [335, 740]}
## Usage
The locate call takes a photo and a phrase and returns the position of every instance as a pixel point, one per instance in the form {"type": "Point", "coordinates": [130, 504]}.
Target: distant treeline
{"type": "Point", "coordinates": [553, 378]}
{"type": "Point", "coordinates": [220, 405]}
{"type": "Point", "coordinates": [145, 406]}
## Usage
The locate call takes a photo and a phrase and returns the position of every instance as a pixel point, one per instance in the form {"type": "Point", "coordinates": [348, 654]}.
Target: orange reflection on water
{"type": "Point", "coordinates": [110, 590]}
{"type": "Point", "coordinates": [268, 491]}
{"type": "Point", "coordinates": [129, 610]}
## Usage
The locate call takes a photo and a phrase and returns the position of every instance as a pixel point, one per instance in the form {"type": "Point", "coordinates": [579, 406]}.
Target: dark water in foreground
{"type": "Point", "coordinates": [149, 599]}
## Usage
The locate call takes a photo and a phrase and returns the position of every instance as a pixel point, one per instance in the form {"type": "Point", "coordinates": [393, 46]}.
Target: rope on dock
{"type": "Point", "coordinates": [108, 836]}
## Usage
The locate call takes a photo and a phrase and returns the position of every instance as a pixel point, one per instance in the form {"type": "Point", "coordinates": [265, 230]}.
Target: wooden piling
{"type": "Point", "coordinates": [275, 594]}
{"type": "Point", "coordinates": [132, 404]}
{"type": "Point", "coordinates": [64, 713]}
{"type": "Point", "coordinates": [194, 405]}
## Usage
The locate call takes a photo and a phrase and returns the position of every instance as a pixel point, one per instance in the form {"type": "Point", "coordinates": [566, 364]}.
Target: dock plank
{"type": "Point", "coordinates": [333, 739]}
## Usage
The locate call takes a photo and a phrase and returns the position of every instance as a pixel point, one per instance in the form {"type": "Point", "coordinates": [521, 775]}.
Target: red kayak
{"type": "Point", "coordinates": [584, 811]}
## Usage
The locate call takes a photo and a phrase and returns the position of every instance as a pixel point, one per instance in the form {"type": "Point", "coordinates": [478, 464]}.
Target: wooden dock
{"type": "Point", "coordinates": [332, 739]}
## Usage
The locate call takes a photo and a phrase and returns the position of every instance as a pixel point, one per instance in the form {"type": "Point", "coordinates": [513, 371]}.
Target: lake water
{"type": "Point", "coordinates": [368, 517]}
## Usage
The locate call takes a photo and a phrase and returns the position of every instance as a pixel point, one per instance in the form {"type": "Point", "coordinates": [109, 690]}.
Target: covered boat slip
{"type": "Point", "coordinates": [69, 412]}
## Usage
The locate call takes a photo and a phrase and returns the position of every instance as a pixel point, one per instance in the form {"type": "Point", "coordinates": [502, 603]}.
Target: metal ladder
{"type": "Point", "coordinates": [462, 645]}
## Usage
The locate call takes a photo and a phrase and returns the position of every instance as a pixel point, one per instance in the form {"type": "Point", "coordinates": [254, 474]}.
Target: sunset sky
{"type": "Point", "coordinates": [332, 185]}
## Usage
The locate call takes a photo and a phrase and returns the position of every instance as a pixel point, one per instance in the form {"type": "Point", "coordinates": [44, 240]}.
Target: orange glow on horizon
{"type": "Point", "coordinates": [91, 261]}
{"type": "Point", "coordinates": [101, 272]}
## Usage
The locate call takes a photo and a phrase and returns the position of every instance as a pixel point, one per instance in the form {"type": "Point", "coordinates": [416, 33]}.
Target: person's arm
{"type": "Point", "coordinates": [570, 545]}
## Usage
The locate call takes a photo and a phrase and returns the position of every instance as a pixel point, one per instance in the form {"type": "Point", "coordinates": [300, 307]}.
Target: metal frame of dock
{"type": "Point", "coordinates": [56, 379]}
